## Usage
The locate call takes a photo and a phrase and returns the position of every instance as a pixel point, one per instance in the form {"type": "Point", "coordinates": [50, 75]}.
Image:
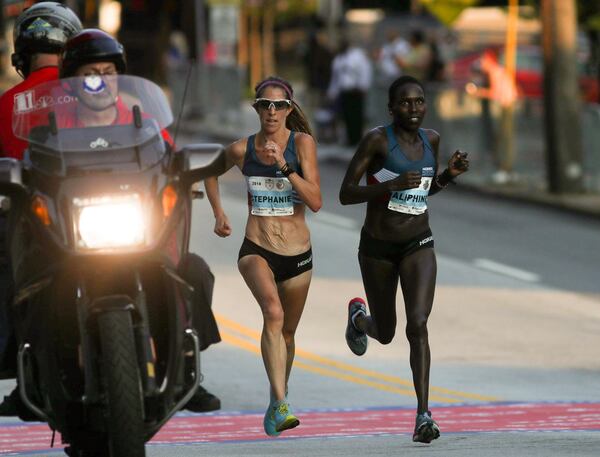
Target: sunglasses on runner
{"type": "Point", "coordinates": [268, 104]}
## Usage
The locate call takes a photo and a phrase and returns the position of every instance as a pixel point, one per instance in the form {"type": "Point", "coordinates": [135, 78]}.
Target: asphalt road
{"type": "Point", "coordinates": [514, 336]}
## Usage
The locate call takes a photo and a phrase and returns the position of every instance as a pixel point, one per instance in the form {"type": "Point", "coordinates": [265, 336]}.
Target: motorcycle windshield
{"type": "Point", "coordinates": [92, 121]}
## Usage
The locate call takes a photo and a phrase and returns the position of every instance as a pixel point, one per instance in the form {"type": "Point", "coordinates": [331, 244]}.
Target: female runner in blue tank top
{"type": "Point", "coordinates": [280, 166]}
{"type": "Point", "coordinates": [401, 165]}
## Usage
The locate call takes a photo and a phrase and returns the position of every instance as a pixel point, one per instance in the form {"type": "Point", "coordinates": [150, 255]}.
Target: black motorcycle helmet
{"type": "Point", "coordinates": [89, 46]}
{"type": "Point", "coordinates": [42, 28]}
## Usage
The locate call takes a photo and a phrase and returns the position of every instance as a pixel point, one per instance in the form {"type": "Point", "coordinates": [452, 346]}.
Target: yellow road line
{"type": "Point", "coordinates": [232, 325]}
{"type": "Point", "coordinates": [244, 344]}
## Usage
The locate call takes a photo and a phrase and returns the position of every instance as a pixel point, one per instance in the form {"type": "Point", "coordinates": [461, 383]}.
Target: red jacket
{"type": "Point", "coordinates": [68, 119]}
{"type": "Point", "coordinates": [10, 145]}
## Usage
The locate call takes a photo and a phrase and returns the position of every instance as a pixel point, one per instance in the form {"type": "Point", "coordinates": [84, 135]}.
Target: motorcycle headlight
{"type": "Point", "coordinates": [109, 222]}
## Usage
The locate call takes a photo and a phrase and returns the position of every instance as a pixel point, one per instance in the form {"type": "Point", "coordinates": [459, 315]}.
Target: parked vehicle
{"type": "Point", "coordinates": [101, 225]}
{"type": "Point", "coordinates": [529, 73]}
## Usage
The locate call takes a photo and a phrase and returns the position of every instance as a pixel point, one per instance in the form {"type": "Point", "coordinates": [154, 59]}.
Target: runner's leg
{"type": "Point", "coordinates": [380, 280]}
{"type": "Point", "coordinates": [293, 293]}
{"type": "Point", "coordinates": [417, 278]}
{"type": "Point", "coordinates": [260, 281]}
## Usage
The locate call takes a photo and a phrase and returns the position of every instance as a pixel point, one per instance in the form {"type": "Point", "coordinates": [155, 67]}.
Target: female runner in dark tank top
{"type": "Point", "coordinates": [279, 164]}
{"type": "Point", "coordinates": [401, 165]}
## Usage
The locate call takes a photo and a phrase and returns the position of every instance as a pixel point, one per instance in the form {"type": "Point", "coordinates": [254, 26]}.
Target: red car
{"type": "Point", "coordinates": [529, 73]}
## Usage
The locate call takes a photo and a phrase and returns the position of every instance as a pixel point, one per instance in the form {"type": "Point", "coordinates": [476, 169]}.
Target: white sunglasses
{"type": "Point", "coordinates": [268, 104]}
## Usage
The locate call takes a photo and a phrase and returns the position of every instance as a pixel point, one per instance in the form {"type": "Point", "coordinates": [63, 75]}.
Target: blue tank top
{"type": "Point", "coordinates": [410, 201]}
{"type": "Point", "coordinates": [269, 192]}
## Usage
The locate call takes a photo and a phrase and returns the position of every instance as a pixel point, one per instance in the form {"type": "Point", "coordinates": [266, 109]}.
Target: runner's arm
{"type": "Point", "coordinates": [371, 147]}
{"type": "Point", "coordinates": [308, 185]}
{"type": "Point", "coordinates": [232, 155]}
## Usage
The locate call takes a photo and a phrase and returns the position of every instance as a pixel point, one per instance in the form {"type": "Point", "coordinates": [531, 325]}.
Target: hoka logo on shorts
{"type": "Point", "coordinates": [425, 240]}
{"type": "Point", "coordinates": [305, 262]}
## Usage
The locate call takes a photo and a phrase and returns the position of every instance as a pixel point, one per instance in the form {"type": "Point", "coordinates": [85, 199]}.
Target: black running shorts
{"type": "Point", "coordinates": [284, 267]}
{"type": "Point", "coordinates": [389, 250]}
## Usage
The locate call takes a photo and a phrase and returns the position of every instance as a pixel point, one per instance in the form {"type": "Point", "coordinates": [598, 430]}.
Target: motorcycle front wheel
{"type": "Point", "coordinates": [125, 415]}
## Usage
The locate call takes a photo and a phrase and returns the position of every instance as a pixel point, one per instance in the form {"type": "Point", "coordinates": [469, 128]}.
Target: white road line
{"type": "Point", "coordinates": [506, 270]}
{"type": "Point", "coordinates": [334, 220]}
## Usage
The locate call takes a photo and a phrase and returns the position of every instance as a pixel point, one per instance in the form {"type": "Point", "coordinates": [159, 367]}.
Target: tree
{"type": "Point", "coordinates": [561, 97]}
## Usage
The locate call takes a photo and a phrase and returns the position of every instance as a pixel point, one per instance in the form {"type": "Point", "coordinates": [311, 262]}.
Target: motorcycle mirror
{"type": "Point", "coordinates": [11, 176]}
{"type": "Point", "coordinates": [200, 161]}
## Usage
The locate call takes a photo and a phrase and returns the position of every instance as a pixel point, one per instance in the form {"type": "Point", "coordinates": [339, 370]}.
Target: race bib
{"type": "Point", "coordinates": [270, 196]}
{"type": "Point", "coordinates": [413, 201]}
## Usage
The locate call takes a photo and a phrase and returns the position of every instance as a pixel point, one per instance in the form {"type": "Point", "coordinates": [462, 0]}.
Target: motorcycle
{"type": "Point", "coordinates": [99, 230]}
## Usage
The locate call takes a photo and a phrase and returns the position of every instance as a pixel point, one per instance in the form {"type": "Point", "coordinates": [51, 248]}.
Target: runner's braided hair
{"type": "Point", "coordinates": [296, 120]}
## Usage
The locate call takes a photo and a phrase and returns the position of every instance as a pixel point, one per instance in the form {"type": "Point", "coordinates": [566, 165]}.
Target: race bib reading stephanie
{"type": "Point", "coordinates": [413, 201]}
{"type": "Point", "coordinates": [270, 196]}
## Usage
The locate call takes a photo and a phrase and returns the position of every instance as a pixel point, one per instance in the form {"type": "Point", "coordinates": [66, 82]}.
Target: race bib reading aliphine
{"type": "Point", "coordinates": [413, 201]}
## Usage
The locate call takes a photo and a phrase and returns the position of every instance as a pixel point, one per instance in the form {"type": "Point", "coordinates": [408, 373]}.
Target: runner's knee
{"type": "Point", "coordinates": [386, 336]}
{"type": "Point", "coordinates": [416, 327]}
{"type": "Point", "coordinates": [288, 337]}
{"type": "Point", "coordinates": [272, 311]}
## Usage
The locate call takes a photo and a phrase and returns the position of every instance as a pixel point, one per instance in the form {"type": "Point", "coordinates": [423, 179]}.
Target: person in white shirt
{"type": "Point", "coordinates": [351, 77]}
{"type": "Point", "coordinates": [387, 62]}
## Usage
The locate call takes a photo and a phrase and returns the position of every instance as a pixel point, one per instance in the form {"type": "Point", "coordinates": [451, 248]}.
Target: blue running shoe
{"type": "Point", "coordinates": [426, 429]}
{"type": "Point", "coordinates": [284, 418]}
{"type": "Point", "coordinates": [357, 341]}
{"type": "Point", "coordinates": [269, 420]}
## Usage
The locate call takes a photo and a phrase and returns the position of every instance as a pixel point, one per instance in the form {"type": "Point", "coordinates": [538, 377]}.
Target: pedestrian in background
{"type": "Point", "coordinates": [279, 163]}
{"type": "Point", "coordinates": [394, 49]}
{"type": "Point", "coordinates": [351, 77]}
{"type": "Point", "coordinates": [400, 162]}
{"type": "Point", "coordinates": [501, 89]}
{"type": "Point", "coordinates": [387, 70]}
{"type": "Point", "coordinates": [318, 58]}
{"type": "Point", "coordinates": [418, 61]}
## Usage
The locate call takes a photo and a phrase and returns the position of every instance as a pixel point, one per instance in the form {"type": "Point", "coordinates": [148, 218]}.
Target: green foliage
{"type": "Point", "coordinates": [588, 14]}
{"type": "Point", "coordinates": [447, 10]}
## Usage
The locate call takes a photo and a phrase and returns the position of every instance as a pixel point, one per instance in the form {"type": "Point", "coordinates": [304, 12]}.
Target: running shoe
{"type": "Point", "coordinates": [284, 418]}
{"type": "Point", "coordinates": [269, 419]}
{"type": "Point", "coordinates": [426, 429]}
{"type": "Point", "coordinates": [357, 340]}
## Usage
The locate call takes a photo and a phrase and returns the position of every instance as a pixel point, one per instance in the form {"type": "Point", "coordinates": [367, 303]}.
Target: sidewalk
{"type": "Point", "coordinates": [231, 126]}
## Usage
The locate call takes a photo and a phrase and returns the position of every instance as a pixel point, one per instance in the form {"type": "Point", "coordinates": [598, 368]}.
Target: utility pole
{"type": "Point", "coordinates": [331, 12]}
{"type": "Point", "coordinates": [200, 86]}
{"type": "Point", "coordinates": [507, 152]}
{"type": "Point", "coordinates": [255, 42]}
{"type": "Point", "coordinates": [562, 99]}
{"type": "Point", "coordinates": [269, 38]}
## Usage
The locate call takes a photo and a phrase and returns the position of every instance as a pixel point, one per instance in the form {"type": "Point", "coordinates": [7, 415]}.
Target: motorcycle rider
{"type": "Point", "coordinates": [98, 57]}
{"type": "Point", "coordinates": [40, 32]}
